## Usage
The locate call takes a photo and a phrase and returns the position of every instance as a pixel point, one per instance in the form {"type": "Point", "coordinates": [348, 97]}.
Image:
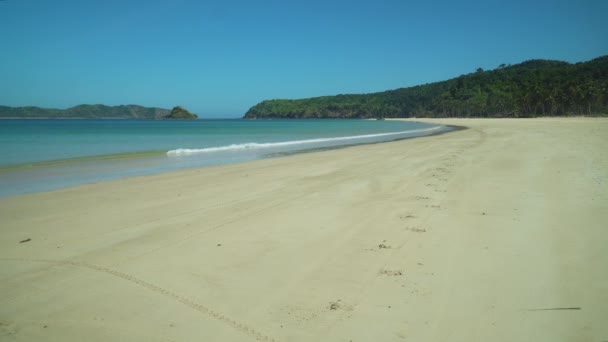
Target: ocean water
{"type": "Point", "coordinates": [42, 155]}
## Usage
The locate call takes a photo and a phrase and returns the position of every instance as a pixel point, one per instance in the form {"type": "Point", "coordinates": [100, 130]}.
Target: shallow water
{"type": "Point", "coordinates": [41, 155]}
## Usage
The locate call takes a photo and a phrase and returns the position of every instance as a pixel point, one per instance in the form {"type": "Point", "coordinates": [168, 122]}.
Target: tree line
{"type": "Point", "coordinates": [531, 88]}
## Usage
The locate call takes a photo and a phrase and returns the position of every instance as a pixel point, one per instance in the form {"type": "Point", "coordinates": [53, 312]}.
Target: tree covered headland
{"type": "Point", "coordinates": [179, 112]}
{"type": "Point", "coordinates": [98, 111]}
{"type": "Point", "coordinates": [85, 112]}
{"type": "Point", "coordinates": [532, 88]}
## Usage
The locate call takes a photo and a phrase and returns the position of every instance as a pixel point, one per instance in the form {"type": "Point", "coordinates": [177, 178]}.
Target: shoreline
{"type": "Point", "coordinates": [458, 237]}
{"type": "Point", "coordinates": [25, 178]}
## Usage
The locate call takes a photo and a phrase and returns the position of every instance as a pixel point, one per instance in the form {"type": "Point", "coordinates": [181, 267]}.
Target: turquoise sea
{"type": "Point", "coordinates": [42, 155]}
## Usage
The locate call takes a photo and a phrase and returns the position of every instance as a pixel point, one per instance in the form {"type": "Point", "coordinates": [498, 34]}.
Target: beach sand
{"type": "Point", "coordinates": [494, 233]}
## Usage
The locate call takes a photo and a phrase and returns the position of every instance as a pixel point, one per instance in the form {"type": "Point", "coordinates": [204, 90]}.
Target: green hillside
{"type": "Point", "coordinates": [86, 112]}
{"type": "Point", "coordinates": [181, 113]}
{"type": "Point", "coordinates": [532, 88]}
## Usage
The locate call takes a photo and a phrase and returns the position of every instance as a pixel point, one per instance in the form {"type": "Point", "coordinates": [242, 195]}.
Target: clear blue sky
{"type": "Point", "coordinates": [218, 58]}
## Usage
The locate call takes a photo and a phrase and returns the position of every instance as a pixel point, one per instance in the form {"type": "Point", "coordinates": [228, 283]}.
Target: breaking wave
{"type": "Point", "coordinates": [320, 141]}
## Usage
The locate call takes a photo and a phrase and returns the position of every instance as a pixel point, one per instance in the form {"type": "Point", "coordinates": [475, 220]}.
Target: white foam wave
{"type": "Point", "coordinates": [249, 146]}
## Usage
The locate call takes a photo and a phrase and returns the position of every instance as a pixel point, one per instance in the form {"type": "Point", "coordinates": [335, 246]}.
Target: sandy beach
{"type": "Point", "coordinates": [494, 233]}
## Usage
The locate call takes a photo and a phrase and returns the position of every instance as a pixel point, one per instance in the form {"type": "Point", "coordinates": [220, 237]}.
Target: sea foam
{"type": "Point", "coordinates": [253, 145]}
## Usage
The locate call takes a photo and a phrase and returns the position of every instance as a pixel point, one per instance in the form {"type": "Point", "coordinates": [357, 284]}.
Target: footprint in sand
{"type": "Point", "coordinates": [434, 206]}
{"type": "Point", "coordinates": [416, 230]}
{"type": "Point", "coordinates": [391, 272]}
{"type": "Point", "coordinates": [407, 217]}
{"type": "Point", "coordinates": [383, 246]}
{"type": "Point", "coordinates": [340, 305]}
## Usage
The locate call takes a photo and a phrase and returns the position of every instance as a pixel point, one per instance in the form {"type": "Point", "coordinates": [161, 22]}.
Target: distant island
{"type": "Point", "coordinates": [179, 112]}
{"type": "Point", "coordinates": [532, 88]}
{"type": "Point", "coordinates": [97, 111]}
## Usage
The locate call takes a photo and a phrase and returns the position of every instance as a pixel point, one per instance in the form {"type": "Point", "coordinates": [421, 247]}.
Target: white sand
{"type": "Point", "coordinates": [458, 237]}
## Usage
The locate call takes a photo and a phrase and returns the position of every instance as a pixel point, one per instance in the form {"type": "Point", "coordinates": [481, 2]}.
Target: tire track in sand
{"type": "Point", "coordinates": [248, 330]}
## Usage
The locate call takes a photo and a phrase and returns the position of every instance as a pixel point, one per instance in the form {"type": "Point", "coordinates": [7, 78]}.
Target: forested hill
{"type": "Point", "coordinates": [86, 112]}
{"type": "Point", "coordinates": [532, 88]}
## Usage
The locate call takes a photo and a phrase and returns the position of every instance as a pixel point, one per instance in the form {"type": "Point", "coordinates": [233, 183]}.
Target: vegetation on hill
{"type": "Point", "coordinates": [179, 112]}
{"type": "Point", "coordinates": [532, 88]}
{"type": "Point", "coordinates": [86, 112]}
